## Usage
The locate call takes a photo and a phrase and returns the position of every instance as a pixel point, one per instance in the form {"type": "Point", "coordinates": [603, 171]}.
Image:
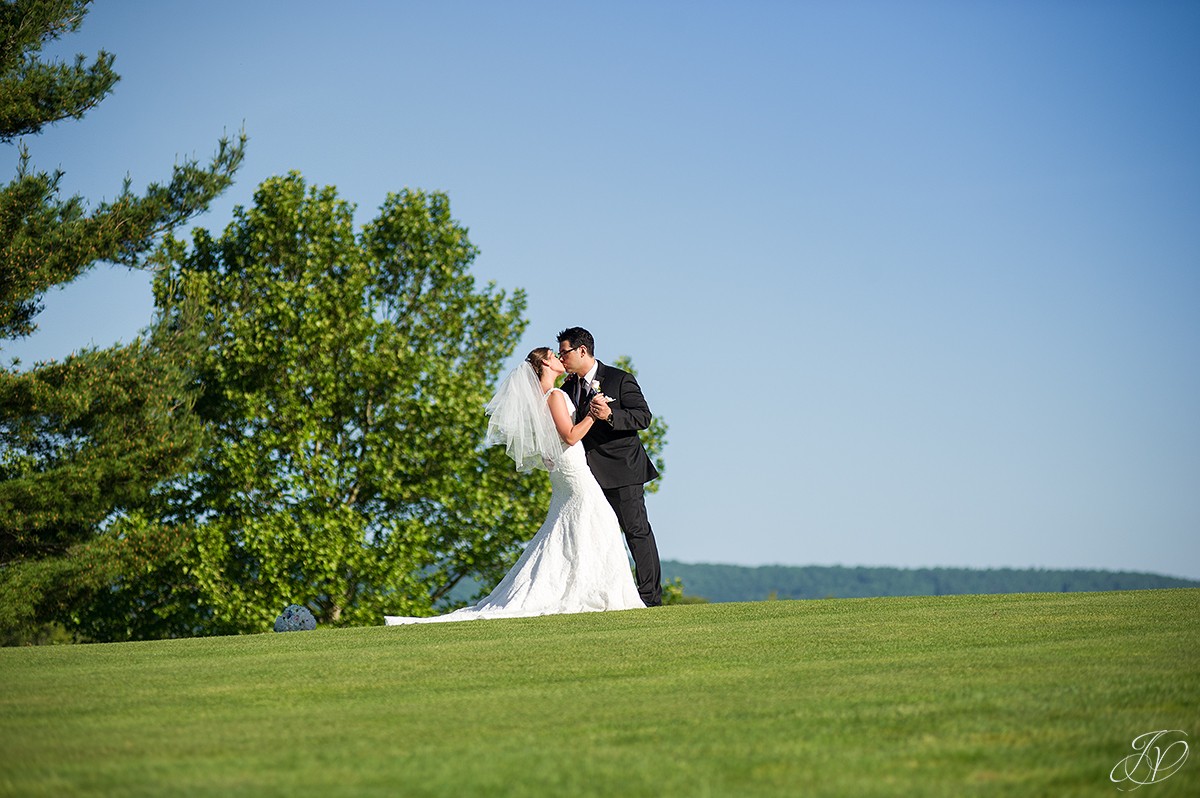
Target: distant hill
{"type": "Point", "coordinates": [744, 583]}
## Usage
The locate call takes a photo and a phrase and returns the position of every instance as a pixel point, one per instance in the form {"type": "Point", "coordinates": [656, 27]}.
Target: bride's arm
{"type": "Point", "coordinates": [571, 434]}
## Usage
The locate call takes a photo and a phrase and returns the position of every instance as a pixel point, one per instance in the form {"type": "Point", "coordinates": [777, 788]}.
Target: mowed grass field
{"type": "Point", "coordinates": [1021, 695]}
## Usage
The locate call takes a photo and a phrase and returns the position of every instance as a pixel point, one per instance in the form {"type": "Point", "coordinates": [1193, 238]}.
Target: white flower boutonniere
{"type": "Point", "coordinates": [596, 388]}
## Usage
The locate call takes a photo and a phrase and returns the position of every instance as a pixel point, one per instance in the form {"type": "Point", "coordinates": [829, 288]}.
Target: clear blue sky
{"type": "Point", "coordinates": [913, 284]}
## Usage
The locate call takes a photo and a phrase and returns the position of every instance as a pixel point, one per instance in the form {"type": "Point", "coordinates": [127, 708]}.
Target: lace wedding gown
{"type": "Point", "coordinates": [575, 563]}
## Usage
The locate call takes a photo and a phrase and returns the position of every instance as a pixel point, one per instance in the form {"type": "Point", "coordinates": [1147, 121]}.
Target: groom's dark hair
{"type": "Point", "coordinates": [579, 337]}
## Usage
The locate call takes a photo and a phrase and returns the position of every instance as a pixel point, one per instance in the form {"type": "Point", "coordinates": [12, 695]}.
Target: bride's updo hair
{"type": "Point", "coordinates": [537, 359]}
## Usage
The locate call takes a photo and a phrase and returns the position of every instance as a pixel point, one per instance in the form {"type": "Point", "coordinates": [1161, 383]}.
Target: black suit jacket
{"type": "Point", "coordinates": [614, 451]}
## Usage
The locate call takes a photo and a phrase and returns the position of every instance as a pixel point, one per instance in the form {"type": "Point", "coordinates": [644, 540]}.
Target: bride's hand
{"type": "Point", "coordinates": [599, 408]}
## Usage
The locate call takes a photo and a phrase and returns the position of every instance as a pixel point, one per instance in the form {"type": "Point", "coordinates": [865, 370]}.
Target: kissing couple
{"type": "Point", "coordinates": [585, 435]}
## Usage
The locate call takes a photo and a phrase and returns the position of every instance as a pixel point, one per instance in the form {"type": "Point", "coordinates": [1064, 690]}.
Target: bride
{"type": "Point", "coordinates": [576, 562]}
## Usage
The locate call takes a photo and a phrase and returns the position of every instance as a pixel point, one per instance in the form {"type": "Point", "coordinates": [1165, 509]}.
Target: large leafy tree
{"type": "Point", "coordinates": [84, 441]}
{"type": "Point", "coordinates": [345, 373]}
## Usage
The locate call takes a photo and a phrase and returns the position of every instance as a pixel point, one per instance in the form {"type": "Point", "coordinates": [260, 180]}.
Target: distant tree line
{"type": "Point", "coordinates": [742, 583]}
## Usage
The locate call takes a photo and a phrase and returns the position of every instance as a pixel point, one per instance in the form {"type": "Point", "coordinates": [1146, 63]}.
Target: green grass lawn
{"type": "Point", "coordinates": [1020, 695]}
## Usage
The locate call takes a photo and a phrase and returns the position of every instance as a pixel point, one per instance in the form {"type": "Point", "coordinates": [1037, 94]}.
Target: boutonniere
{"type": "Point", "coordinates": [596, 389]}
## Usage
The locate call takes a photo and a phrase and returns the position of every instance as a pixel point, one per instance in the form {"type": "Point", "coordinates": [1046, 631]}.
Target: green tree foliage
{"type": "Point", "coordinates": [82, 442]}
{"type": "Point", "coordinates": [673, 593]}
{"type": "Point", "coordinates": [36, 93]}
{"type": "Point", "coordinates": [46, 240]}
{"type": "Point", "coordinates": [345, 375]}
{"type": "Point", "coordinates": [67, 459]}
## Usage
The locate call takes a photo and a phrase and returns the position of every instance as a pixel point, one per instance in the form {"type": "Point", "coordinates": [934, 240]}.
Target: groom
{"type": "Point", "coordinates": [614, 451]}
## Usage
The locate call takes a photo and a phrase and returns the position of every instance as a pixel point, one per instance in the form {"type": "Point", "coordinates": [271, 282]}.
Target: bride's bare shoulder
{"type": "Point", "coordinates": [557, 401]}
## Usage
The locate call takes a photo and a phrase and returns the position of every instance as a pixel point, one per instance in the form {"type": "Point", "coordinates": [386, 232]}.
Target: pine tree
{"type": "Point", "coordinates": [84, 441]}
{"type": "Point", "coordinates": [47, 241]}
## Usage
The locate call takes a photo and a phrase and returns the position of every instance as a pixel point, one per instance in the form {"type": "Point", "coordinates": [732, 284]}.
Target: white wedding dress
{"type": "Point", "coordinates": [575, 563]}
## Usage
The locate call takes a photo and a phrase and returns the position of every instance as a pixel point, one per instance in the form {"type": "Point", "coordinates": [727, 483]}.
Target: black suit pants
{"type": "Point", "coordinates": [629, 503]}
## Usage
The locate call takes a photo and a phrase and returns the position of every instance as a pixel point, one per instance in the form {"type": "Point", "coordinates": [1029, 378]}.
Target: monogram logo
{"type": "Point", "coordinates": [1158, 755]}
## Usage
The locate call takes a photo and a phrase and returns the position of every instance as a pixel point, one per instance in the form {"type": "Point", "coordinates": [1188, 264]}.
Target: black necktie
{"type": "Point", "coordinates": [578, 391]}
